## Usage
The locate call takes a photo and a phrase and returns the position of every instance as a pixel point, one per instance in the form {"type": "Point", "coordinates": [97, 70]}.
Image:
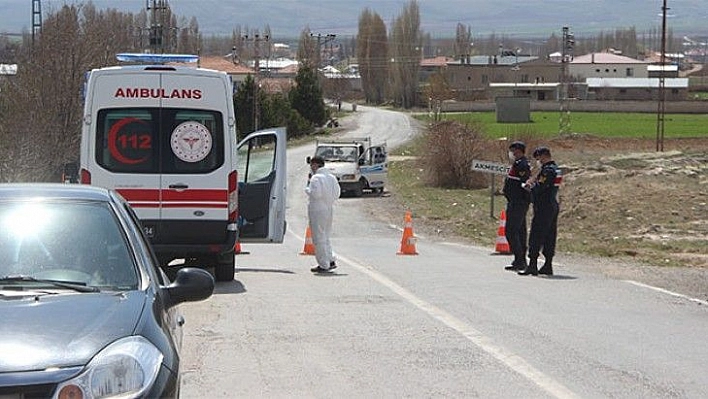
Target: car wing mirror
{"type": "Point", "coordinates": [190, 284]}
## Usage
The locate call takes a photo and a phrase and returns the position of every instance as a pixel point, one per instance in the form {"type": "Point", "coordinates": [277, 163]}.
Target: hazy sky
{"type": "Point", "coordinates": [438, 17]}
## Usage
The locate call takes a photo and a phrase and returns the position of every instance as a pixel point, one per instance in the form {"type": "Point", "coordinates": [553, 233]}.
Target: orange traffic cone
{"type": "Point", "coordinates": [238, 250]}
{"type": "Point", "coordinates": [502, 246]}
{"type": "Point", "coordinates": [408, 240]}
{"type": "Point", "coordinates": [309, 248]}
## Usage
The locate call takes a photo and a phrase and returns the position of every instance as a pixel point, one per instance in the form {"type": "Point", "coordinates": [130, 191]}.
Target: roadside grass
{"type": "Point", "coordinates": [470, 215]}
{"type": "Point", "coordinates": [604, 124]}
{"type": "Point", "coordinates": [458, 212]}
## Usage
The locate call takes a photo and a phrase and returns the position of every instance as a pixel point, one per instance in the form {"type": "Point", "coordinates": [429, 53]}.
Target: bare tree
{"type": "Point", "coordinates": [307, 50]}
{"type": "Point", "coordinates": [405, 55]}
{"type": "Point", "coordinates": [372, 55]}
{"type": "Point", "coordinates": [463, 41]}
{"type": "Point", "coordinates": [437, 89]}
{"type": "Point", "coordinates": [43, 124]}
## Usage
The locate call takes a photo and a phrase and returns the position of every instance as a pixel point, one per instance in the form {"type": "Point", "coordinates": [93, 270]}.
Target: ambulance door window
{"type": "Point", "coordinates": [256, 177]}
{"type": "Point", "coordinates": [193, 141]}
{"type": "Point", "coordinates": [126, 140]}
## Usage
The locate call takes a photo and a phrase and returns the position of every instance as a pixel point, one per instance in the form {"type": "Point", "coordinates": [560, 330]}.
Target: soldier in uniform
{"type": "Point", "coordinates": [544, 194]}
{"type": "Point", "coordinates": [517, 204]}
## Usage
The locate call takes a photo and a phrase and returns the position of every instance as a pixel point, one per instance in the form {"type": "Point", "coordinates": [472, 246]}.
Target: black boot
{"type": "Point", "coordinates": [547, 267]}
{"type": "Point", "coordinates": [519, 263]}
{"type": "Point", "coordinates": [531, 269]}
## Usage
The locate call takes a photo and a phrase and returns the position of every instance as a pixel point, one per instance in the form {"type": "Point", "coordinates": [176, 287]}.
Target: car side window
{"type": "Point", "coordinates": [162, 278]}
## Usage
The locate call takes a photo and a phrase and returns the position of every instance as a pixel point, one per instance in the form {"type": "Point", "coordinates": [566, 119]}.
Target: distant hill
{"type": "Point", "coordinates": [513, 18]}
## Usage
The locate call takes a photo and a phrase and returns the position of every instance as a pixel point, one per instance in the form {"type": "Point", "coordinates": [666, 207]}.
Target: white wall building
{"type": "Point", "coordinates": [607, 65]}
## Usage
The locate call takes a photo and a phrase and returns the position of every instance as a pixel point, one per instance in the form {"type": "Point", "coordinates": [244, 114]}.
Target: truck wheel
{"type": "Point", "coordinates": [225, 267]}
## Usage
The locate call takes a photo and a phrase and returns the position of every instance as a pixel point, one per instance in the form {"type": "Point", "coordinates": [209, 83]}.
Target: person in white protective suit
{"type": "Point", "coordinates": [322, 191]}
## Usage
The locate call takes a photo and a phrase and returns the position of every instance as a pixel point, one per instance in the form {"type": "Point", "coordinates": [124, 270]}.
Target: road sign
{"type": "Point", "coordinates": [490, 167]}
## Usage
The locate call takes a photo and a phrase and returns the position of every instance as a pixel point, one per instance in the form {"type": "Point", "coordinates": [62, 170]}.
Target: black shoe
{"type": "Point", "coordinates": [531, 269]}
{"type": "Point", "coordinates": [546, 269]}
{"type": "Point", "coordinates": [319, 270]}
{"type": "Point", "coordinates": [332, 265]}
{"type": "Point", "coordinates": [528, 271]}
{"type": "Point", "coordinates": [514, 267]}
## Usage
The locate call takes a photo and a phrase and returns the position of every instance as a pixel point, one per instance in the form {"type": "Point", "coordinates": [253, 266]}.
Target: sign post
{"type": "Point", "coordinates": [493, 168]}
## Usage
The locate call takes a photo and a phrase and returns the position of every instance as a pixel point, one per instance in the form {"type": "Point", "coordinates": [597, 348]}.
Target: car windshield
{"type": "Point", "coordinates": [75, 244]}
{"type": "Point", "coordinates": [337, 153]}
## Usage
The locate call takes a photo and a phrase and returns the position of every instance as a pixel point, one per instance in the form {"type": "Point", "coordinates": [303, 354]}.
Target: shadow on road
{"type": "Point", "coordinates": [254, 270]}
{"type": "Point", "coordinates": [558, 277]}
{"type": "Point", "coordinates": [229, 287]}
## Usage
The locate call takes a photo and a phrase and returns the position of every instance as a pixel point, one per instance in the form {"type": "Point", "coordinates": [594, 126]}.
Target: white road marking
{"type": "Point", "coordinates": [663, 291]}
{"type": "Point", "coordinates": [507, 357]}
{"type": "Point", "coordinates": [485, 343]}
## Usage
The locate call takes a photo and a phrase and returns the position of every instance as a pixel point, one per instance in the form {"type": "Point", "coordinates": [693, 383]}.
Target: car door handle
{"type": "Point", "coordinates": [178, 186]}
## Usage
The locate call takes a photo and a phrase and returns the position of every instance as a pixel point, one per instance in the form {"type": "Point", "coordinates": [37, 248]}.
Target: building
{"type": "Point", "coordinates": [471, 77]}
{"type": "Point", "coordinates": [618, 89]}
{"type": "Point", "coordinates": [606, 65]}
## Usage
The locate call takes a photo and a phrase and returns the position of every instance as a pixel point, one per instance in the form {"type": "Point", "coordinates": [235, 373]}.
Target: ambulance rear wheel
{"type": "Point", "coordinates": [225, 267]}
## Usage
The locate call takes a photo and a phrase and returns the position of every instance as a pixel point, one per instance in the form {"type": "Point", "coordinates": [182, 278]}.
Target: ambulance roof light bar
{"type": "Point", "coordinates": [156, 58]}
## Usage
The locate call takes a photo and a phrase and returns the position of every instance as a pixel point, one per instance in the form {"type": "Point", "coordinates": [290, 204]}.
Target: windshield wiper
{"type": "Point", "coordinates": [72, 285]}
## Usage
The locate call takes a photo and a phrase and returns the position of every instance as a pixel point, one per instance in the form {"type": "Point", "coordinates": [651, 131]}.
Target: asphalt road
{"type": "Point", "coordinates": [448, 322]}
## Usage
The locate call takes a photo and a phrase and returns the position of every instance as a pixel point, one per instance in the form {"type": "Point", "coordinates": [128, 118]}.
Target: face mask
{"type": "Point", "coordinates": [511, 156]}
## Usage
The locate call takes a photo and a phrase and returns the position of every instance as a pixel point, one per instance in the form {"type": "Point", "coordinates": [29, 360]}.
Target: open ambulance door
{"type": "Point", "coordinates": [262, 177]}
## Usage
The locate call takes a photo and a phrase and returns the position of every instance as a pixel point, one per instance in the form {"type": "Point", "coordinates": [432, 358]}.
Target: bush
{"type": "Point", "coordinates": [451, 147]}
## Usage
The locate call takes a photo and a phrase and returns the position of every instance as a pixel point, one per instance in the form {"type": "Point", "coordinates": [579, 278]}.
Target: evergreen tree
{"type": "Point", "coordinates": [306, 97]}
{"type": "Point", "coordinates": [243, 107]}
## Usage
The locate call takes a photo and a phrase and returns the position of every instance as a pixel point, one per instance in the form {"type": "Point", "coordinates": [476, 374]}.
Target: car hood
{"type": "Point", "coordinates": [43, 331]}
{"type": "Point", "coordinates": [341, 168]}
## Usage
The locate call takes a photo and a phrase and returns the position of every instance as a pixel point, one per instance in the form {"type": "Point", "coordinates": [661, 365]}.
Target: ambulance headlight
{"type": "Point", "coordinates": [125, 368]}
{"type": "Point", "coordinates": [348, 177]}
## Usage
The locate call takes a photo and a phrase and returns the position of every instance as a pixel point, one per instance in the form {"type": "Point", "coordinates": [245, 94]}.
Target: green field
{"type": "Point", "coordinates": [605, 124]}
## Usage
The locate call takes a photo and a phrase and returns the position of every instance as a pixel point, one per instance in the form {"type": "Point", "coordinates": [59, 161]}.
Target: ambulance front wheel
{"type": "Point", "coordinates": [225, 267]}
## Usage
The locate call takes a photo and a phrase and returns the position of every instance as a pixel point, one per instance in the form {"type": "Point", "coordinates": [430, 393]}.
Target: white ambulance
{"type": "Point", "coordinates": [164, 137]}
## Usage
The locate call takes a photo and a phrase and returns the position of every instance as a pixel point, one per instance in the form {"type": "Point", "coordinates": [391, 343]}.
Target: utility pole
{"type": "Point", "coordinates": [566, 57]}
{"type": "Point", "coordinates": [36, 19]}
{"type": "Point", "coordinates": [661, 111]}
{"type": "Point", "coordinates": [256, 40]}
{"type": "Point", "coordinates": [322, 40]}
{"type": "Point", "coordinates": [157, 25]}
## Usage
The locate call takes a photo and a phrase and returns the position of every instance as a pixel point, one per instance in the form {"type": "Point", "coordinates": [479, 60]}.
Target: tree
{"type": "Point", "coordinates": [306, 96]}
{"type": "Point", "coordinates": [438, 90]}
{"type": "Point", "coordinates": [372, 55]}
{"type": "Point", "coordinates": [463, 41]}
{"type": "Point", "coordinates": [405, 56]}
{"type": "Point", "coordinates": [308, 52]}
{"type": "Point", "coordinates": [47, 89]}
{"type": "Point", "coordinates": [244, 106]}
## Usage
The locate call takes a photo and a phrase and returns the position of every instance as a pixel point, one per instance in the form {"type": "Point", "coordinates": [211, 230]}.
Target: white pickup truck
{"type": "Point", "coordinates": [357, 164]}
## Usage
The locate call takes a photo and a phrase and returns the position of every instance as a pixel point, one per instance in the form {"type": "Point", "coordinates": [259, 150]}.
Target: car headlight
{"type": "Point", "coordinates": [126, 368]}
{"type": "Point", "coordinates": [348, 177]}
